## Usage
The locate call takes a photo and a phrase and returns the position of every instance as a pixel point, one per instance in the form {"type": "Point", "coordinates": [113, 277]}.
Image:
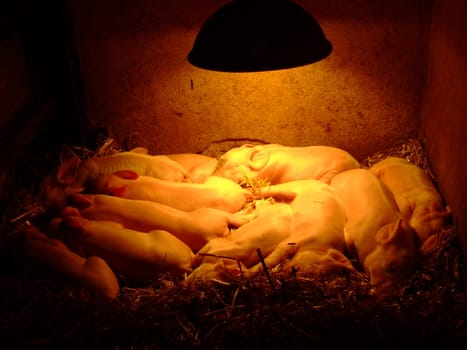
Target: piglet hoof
{"type": "Point", "coordinates": [69, 211]}
{"type": "Point", "coordinates": [76, 224]}
{"type": "Point", "coordinates": [80, 200]}
{"type": "Point", "coordinates": [100, 280]}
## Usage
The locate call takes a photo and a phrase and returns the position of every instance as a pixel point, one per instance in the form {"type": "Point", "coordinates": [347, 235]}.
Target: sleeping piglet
{"type": "Point", "coordinates": [135, 255]}
{"type": "Point", "coordinates": [307, 227]}
{"type": "Point", "coordinates": [278, 164]}
{"type": "Point", "coordinates": [91, 272]}
{"type": "Point", "coordinates": [76, 175]}
{"type": "Point", "coordinates": [415, 194]}
{"type": "Point", "coordinates": [316, 243]}
{"type": "Point", "coordinates": [270, 225]}
{"type": "Point", "coordinates": [375, 232]}
{"type": "Point", "coordinates": [216, 192]}
{"type": "Point", "coordinates": [194, 228]}
{"type": "Point", "coordinates": [231, 255]}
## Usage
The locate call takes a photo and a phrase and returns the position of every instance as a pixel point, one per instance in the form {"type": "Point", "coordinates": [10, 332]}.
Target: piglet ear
{"type": "Point", "coordinates": [441, 217]}
{"type": "Point", "coordinates": [431, 244]}
{"type": "Point", "coordinates": [336, 262]}
{"type": "Point", "coordinates": [230, 268]}
{"type": "Point", "coordinates": [258, 158]}
{"type": "Point", "coordinates": [397, 232]}
{"type": "Point", "coordinates": [76, 222]}
{"type": "Point", "coordinates": [68, 171]}
{"type": "Point", "coordinates": [385, 234]}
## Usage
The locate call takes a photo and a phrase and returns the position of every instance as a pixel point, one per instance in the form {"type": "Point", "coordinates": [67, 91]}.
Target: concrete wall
{"type": "Point", "coordinates": [15, 86]}
{"type": "Point", "coordinates": [365, 96]}
{"type": "Point", "coordinates": [15, 93]}
{"type": "Point", "coordinates": [444, 122]}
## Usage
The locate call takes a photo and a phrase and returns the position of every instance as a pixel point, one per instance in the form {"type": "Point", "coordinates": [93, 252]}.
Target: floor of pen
{"type": "Point", "coordinates": [38, 309]}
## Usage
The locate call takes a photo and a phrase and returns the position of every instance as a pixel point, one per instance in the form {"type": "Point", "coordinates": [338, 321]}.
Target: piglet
{"type": "Point", "coordinates": [415, 194]}
{"type": "Point", "coordinates": [135, 255]}
{"type": "Point", "coordinates": [270, 225]}
{"type": "Point", "coordinates": [216, 192]}
{"type": "Point", "coordinates": [194, 228]}
{"type": "Point", "coordinates": [76, 175]}
{"type": "Point", "coordinates": [316, 245]}
{"type": "Point", "coordinates": [307, 228]}
{"type": "Point", "coordinates": [278, 164]}
{"type": "Point", "coordinates": [375, 233]}
{"type": "Point", "coordinates": [91, 272]}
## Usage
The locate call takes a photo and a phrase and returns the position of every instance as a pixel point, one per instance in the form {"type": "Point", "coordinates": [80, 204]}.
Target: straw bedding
{"type": "Point", "coordinates": [41, 310]}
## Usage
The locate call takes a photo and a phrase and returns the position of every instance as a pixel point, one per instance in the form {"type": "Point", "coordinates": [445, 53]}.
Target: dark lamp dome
{"type": "Point", "coordinates": [259, 35]}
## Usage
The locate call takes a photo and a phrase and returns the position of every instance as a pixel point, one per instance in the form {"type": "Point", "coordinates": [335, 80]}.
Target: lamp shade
{"type": "Point", "coordinates": [259, 35]}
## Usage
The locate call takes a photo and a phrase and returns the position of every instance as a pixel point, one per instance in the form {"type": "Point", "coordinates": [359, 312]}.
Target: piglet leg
{"type": "Point", "coordinates": [137, 256]}
{"type": "Point", "coordinates": [284, 249]}
{"type": "Point", "coordinates": [193, 228]}
{"type": "Point", "coordinates": [93, 273]}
